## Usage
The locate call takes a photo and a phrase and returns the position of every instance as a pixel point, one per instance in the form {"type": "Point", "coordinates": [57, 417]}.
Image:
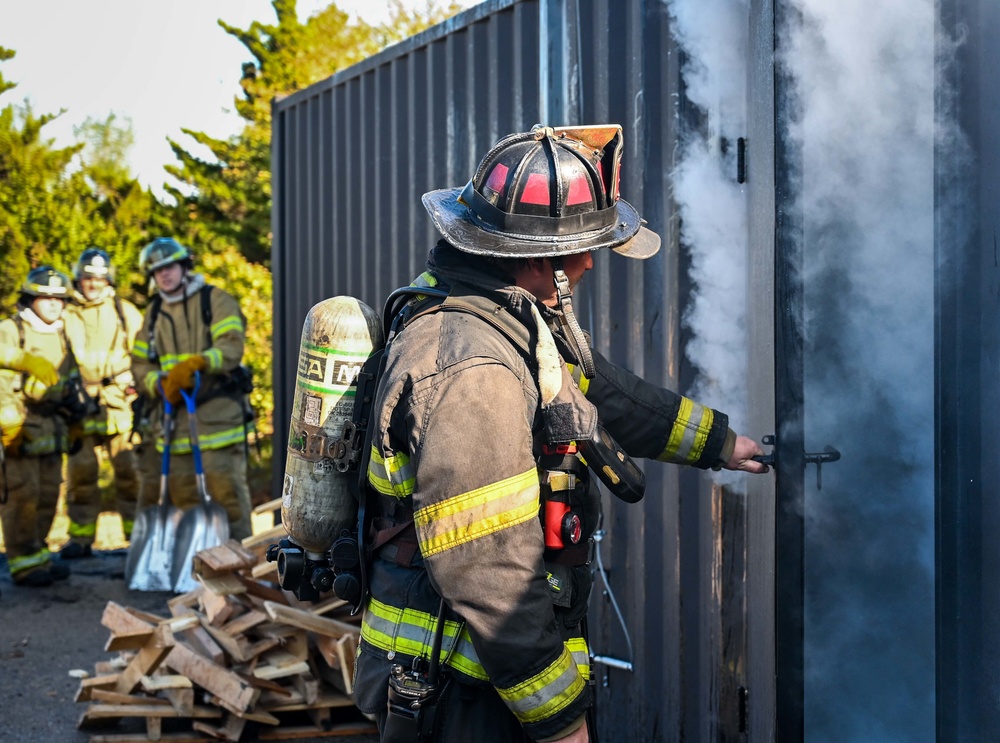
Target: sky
{"type": "Point", "coordinates": [164, 65]}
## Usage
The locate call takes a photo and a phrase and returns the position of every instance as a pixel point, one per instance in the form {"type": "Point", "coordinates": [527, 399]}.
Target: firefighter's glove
{"type": "Point", "coordinates": [38, 367]}
{"type": "Point", "coordinates": [181, 377]}
{"type": "Point", "coordinates": [12, 438]}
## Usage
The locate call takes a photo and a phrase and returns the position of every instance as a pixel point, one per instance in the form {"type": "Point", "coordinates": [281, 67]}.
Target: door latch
{"type": "Point", "coordinates": [829, 454]}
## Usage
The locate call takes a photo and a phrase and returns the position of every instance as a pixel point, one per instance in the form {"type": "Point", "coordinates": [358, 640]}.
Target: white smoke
{"type": "Point", "coordinates": [863, 119]}
{"type": "Point", "coordinates": [712, 205]}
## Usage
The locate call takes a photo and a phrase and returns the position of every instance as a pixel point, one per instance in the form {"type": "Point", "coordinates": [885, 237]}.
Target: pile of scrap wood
{"type": "Point", "coordinates": [237, 649]}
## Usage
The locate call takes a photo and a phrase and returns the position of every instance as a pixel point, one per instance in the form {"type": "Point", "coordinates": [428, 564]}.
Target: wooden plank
{"type": "Point", "coordinates": [121, 711]}
{"type": "Point", "coordinates": [325, 607]}
{"type": "Point", "coordinates": [128, 640]}
{"type": "Point", "coordinates": [122, 622]}
{"type": "Point", "coordinates": [223, 558]}
{"type": "Point", "coordinates": [231, 729]}
{"type": "Point", "coordinates": [219, 681]}
{"type": "Point", "coordinates": [308, 621]}
{"type": "Point", "coordinates": [153, 684]}
{"type": "Point", "coordinates": [327, 699]}
{"type": "Point", "coordinates": [267, 671]}
{"type": "Point", "coordinates": [195, 635]}
{"type": "Point", "coordinates": [237, 648]}
{"type": "Point", "coordinates": [87, 686]}
{"type": "Point", "coordinates": [265, 571]}
{"type": "Point", "coordinates": [144, 616]}
{"type": "Point", "coordinates": [113, 697]}
{"type": "Point", "coordinates": [244, 622]}
{"type": "Point", "coordinates": [347, 648]}
{"type": "Point", "coordinates": [340, 730]}
{"type": "Point", "coordinates": [228, 584]}
{"type": "Point", "coordinates": [154, 728]}
{"type": "Point", "coordinates": [146, 660]}
{"type": "Point", "coordinates": [181, 700]}
{"type": "Point", "coordinates": [271, 505]}
{"type": "Point", "coordinates": [327, 647]}
{"type": "Point", "coordinates": [262, 591]}
{"type": "Point", "coordinates": [217, 608]}
{"type": "Point", "coordinates": [275, 534]}
{"type": "Point", "coordinates": [180, 737]}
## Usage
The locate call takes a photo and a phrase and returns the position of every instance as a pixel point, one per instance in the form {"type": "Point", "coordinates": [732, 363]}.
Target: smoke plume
{"type": "Point", "coordinates": [864, 123]}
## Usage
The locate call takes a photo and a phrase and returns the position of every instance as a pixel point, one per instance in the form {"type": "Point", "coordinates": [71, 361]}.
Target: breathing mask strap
{"type": "Point", "coordinates": [574, 334]}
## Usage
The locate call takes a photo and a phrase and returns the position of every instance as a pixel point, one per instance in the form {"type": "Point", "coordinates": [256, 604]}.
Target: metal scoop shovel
{"type": "Point", "coordinates": [202, 526]}
{"type": "Point", "coordinates": [150, 554]}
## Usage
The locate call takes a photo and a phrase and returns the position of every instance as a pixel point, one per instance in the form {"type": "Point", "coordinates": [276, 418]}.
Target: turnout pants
{"type": "Point", "coordinates": [83, 491]}
{"type": "Point", "coordinates": [225, 480]}
{"type": "Point", "coordinates": [33, 491]}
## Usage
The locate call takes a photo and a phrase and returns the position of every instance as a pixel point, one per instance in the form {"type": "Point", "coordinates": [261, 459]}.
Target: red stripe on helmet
{"type": "Point", "coordinates": [497, 179]}
{"type": "Point", "coordinates": [579, 190]}
{"type": "Point", "coordinates": [536, 190]}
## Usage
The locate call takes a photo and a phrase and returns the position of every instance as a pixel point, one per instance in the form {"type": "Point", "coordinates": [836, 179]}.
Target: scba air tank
{"type": "Point", "coordinates": [317, 505]}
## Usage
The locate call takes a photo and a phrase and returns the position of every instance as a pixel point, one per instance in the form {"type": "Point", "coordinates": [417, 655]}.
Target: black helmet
{"type": "Point", "coordinates": [162, 252]}
{"type": "Point", "coordinates": [94, 263]}
{"type": "Point", "coordinates": [45, 281]}
{"type": "Point", "coordinates": [544, 193]}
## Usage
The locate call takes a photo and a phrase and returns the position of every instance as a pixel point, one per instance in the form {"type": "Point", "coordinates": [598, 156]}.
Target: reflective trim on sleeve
{"type": "Point", "coordinates": [477, 513]}
{"type": "Point", "coordinates": [581, 655]}
{"type": "Point", "coordinates": [213, 357]}
{"type": "Point", "coordinates": [582, 383]}
{"type": "Point", "coordinates": [226, 325]}
{"type": "Point", "coordinates": [689, 434]}
{"type": "Point", "coordinates": [411, 632]}
{"type": "Point", "coordinates": [150, 381]}
{"type": "Point", "coordinates": [546, 693]}
{"type": "Point", "coordinates": [392, 475]}
{"type": "Point", "coordinates": [141, 349]}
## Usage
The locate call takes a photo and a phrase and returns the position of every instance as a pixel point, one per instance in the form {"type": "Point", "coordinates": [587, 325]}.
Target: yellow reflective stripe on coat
{"type": "Point", "coordinates": [689, 434]}
{"type": "Point", "coordinates": [140, 349]}
{"type": "Point", "coordinates": [581, 655]}
{"type": "Point", "coordinates": [226, 325]}
{"type": "Point", "coordinates": [392, 475]}
{"type": "Point", "coordinates": [546, 693]}
{"type": "Point", "coordinates": [411, 632]}
{"type": "Point", "coordinates": [169, 360]}
{"type": "Point", "coordinates": [218, 440]}
{"type": "Point", "coordinates": [82, 530]}
{"type": "Point", "coordinates": [477, 513]}
{"type": "Point", "coordinates": [213, 357]}
{"type": "Point", "coordinates": [582, 383]}
{"type": "Point", "coordinates": [17, 564]}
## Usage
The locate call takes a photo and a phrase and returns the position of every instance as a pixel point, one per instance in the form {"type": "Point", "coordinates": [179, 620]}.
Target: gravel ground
{"type": "Point", "coordinates": [47, 632]}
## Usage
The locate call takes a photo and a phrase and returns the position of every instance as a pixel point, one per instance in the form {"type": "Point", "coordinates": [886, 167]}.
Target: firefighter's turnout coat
{"type": "Point", "coordinates": [458, 428]}
{"type": "Point", "coordinates": [26, 405]}
{"type": "Point", "coordinates": [178, 332]}
{"type": "Point", "coordinates": [103, 332]}
{"type": "Point", "coordinates": [38, 437]}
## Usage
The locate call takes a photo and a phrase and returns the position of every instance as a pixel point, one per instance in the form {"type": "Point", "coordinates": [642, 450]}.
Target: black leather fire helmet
{"type": "Point", "coordinates": [544, 193]}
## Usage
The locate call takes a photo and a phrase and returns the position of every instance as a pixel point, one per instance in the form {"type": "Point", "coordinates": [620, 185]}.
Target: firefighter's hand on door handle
{"type": "Point", "coordinates": [743, 457]}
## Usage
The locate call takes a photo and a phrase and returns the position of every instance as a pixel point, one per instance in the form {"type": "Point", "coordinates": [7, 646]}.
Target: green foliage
{"type": "Point", "coordinates": [55, 202]}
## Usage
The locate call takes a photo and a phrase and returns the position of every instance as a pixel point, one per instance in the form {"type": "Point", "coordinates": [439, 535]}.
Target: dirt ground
{"type": "Point", "coordinates": [45, 633]}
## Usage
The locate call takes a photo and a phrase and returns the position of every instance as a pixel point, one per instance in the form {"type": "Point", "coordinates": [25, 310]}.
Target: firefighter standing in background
{"type": "Point", "coordinates": [102, 328]}
{"type": "Point", "coordinates": [187, 329]}
{"type": "Point", "coordinates": [471, 419]}
{"type": "Point", "coordinates": [32, 417]}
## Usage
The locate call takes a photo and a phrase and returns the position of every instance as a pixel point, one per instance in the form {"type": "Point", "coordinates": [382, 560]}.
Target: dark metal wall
{"type": "Point", "coordinates": [351, 157]}
{"type": "Point", "coordinates": [967, 297]}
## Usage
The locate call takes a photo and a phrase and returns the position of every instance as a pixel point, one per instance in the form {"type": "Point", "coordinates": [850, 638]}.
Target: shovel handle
{"type": "Point", "coordinates": [192, 407]}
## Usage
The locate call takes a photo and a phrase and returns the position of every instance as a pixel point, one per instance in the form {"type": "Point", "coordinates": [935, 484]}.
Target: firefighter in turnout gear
{"type": "Point", "coordinates": [191, 327]}
{"type": "Point", "coordinates": [102, 327]}
{"type": "Point", "coordinates": [40, 398]}
{"type": "Point", "coordinates": [485, 396]}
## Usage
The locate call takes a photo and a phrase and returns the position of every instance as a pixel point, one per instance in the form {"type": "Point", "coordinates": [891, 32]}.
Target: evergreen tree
{"type": "Point", "coordinates": [230, 197]}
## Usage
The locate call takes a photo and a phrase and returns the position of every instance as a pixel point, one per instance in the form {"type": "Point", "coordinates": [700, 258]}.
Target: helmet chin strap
{"type": "Point", "coordinates": [574, 333]}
